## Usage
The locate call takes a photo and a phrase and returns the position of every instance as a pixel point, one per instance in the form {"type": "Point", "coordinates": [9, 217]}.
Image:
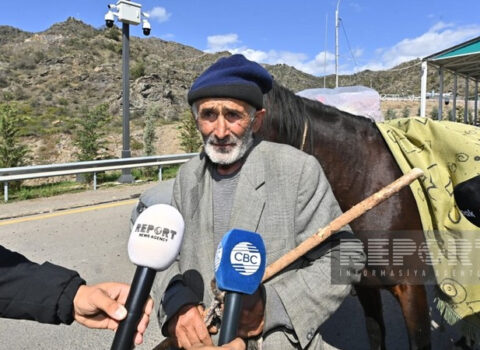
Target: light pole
{"type": "Point", "coordinates": [336, 43]}
{"type": "Point", "coordinates": [128, 13]}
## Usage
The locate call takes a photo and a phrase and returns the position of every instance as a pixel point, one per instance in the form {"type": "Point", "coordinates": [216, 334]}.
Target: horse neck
{"type": "Point", "coordinates": [343, 142]}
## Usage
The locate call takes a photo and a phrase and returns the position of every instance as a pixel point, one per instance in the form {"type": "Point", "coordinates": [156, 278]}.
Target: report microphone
{"type": "Point", "coordinates": [153, 245]}
{"type": "Point", "coordinates": [239, 268]}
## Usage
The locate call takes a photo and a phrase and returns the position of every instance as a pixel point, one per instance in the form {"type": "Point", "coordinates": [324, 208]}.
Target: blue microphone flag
{"type": "Point", "coordinates": [240, 261]}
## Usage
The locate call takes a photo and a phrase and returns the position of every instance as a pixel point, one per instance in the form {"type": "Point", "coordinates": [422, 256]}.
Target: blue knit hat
{"type": "Point", "coordinates": [234, 77]}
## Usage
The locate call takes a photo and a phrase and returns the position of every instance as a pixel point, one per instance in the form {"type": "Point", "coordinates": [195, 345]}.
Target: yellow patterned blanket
{"type": "Point", "coordinates": [448, 153]}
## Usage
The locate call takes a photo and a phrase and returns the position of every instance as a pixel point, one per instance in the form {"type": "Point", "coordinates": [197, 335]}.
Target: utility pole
{"type": "Point", "coordinates": [325, 53]}
{"type": "Point", "coordinates": [336, 44]}
{"type": "Point", "coordinates": [128, 13]}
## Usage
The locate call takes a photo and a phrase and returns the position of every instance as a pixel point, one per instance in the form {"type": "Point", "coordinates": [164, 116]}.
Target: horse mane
{"type": "Point", "coordinates": [289, 113]}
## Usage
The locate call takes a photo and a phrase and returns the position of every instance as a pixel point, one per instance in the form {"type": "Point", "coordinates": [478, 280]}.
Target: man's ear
{"type": "Point", "coordinates": [258, 121]}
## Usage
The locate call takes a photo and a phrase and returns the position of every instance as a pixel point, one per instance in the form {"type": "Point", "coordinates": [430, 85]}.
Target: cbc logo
{"type": "Point", "coordinates": [245, 258]}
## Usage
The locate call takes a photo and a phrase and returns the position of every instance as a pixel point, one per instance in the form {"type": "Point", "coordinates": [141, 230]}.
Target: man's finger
{"type": "Point", "coordinates": [113, 309]}
{"type": "Point", "coordinates": [203, 334]}
{"type": "Point", "coordinates": [183, 341]}
{"type": "Point", "coordinates": [192, 335]}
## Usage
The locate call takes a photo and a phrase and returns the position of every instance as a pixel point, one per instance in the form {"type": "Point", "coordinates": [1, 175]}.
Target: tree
{"type": "Point", "coordinates": [89, 137]}
{"type": "Point", "coordinates": [149, 138]}
{"type": "Point", "coordinates": [12, 152]}
{"type": "Point", "coordinates": [190, 139]}
{"type": "Point", "coordinates": [149, 135]}
{"type": "Point", "coordinates": [405, 112]}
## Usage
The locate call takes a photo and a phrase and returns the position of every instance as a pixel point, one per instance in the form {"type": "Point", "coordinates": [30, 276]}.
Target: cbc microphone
{"type": "Point", "coordinates": [153, 245]}
{"type": "Point", "coordinates": [239, 268]}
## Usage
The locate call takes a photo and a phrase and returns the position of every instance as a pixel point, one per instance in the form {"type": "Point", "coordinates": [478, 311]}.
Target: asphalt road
{"type": "Point", "coordinates": [92, 240]}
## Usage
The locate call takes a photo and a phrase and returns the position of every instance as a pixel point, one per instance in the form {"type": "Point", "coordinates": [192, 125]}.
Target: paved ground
{"type": "Point", "coordinates": [74, 200]}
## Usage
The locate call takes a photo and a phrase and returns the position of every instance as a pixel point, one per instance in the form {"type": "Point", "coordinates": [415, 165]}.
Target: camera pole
{"type": "Point", "coordinates": [128, 13]}
{"type": "Point", "coordinates": [126, 173]}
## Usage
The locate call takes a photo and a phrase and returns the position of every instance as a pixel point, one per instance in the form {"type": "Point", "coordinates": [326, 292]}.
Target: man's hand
{"type": "Point", "coordinates": [236, 344]}
{"type": "Point", "coordinates": [188, 328]}
{"type": "Point", "coordinates": [101, 306]}
{"type": "Point", "coordinates": [252, 318]}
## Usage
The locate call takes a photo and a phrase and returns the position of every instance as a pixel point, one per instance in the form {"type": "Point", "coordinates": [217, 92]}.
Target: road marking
{"type": "Point", "coordinates": [68, 212]}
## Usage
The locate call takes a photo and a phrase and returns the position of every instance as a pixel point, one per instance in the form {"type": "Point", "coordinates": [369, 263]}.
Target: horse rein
{"type": "Point", "coordinates": [304, 138]}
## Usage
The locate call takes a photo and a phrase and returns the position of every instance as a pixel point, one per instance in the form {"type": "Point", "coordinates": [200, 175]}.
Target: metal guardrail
{"type": "Point", "coordinates": [38, 171]}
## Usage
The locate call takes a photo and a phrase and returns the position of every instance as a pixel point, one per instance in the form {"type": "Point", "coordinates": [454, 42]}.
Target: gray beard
{"type": "Point", "coordinates": [224, 157]}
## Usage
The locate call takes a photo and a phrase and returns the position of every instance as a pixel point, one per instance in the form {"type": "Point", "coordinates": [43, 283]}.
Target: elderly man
{"type": "Point", "coordinates": [239, 181]}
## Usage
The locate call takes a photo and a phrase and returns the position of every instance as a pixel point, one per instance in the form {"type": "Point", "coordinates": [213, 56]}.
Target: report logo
{"type": "Point", "coordinates": [245, 258]}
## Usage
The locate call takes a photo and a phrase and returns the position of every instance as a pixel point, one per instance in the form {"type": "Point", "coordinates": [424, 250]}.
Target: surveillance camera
{"type": "Point", "coordinates": [112, 6]}
{"type": "Point", "coordinates": [109, 18]}
{"type": "Point", "coordinates": [146, 27]}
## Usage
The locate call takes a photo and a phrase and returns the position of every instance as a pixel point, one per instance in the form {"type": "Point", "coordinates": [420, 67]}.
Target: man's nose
{"type": "Point", "coordinates": [222, 129]}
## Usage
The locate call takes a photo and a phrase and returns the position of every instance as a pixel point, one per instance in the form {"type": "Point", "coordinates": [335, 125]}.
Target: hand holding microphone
{"type": "Point", "coordinates": [239, 268]}
{"type": "Point", "coordinates": [153, 245]}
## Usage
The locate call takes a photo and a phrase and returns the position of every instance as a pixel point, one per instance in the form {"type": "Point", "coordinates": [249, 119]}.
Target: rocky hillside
{"type": "Point", "coordinates": [53, 75]}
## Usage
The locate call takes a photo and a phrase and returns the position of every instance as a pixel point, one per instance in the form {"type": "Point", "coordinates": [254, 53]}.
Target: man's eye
{"type": "Point", "coordinates": [207, 115]}
{"type": "Point", "coordinates": [233, 115]}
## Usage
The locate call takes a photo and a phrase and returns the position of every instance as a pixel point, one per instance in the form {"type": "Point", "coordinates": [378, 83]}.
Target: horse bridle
{"type": "Point", "coordinates": [304, 138]}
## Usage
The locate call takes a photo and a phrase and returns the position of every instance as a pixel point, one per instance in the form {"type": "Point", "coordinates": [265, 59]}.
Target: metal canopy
{"type": "Point", "coordinates": [462, 60]}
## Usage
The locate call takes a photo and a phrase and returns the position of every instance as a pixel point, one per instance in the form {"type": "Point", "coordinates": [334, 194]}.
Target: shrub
{"type": "Point", "coordinates": [113, 33]}
{"type": "Point", "coordinates": [137, 71]}
{"type": "Point", "coordinates": [391, 114]}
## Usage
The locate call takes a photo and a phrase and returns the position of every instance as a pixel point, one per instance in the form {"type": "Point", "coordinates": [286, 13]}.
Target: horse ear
{"type": "Point", "coordinates": [258, 121]}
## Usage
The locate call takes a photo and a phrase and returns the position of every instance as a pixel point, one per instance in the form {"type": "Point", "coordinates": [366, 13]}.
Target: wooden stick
{"type": "Point", "coordinates": [344, 219]}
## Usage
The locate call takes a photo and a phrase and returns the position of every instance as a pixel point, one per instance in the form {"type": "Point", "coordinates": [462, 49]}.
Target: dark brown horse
{"type": "Point", "coordinates": [357, 162]}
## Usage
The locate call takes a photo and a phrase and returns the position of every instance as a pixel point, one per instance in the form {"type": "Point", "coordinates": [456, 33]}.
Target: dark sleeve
{"type": "Point", "coordinates": [176, 296]}
{"type": "Point", "coordinates": [30, 291]}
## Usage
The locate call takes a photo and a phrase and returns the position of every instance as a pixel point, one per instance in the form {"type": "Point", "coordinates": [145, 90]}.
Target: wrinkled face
{"type": "Point", "coordinates": [227, 127]}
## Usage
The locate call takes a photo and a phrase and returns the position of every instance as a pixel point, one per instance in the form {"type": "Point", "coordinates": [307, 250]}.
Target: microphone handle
{"type": "Point", "coordinates": [231, 317]}
{"type": "Point", "coordinates": [138, 295]}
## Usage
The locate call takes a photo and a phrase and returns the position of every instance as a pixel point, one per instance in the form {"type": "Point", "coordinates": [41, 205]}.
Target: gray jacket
{"type": "Point", "coordinates": [284, 195]}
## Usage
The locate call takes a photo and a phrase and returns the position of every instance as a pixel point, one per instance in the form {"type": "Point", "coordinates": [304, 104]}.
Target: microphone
{"type": "Point", "coordinates": [153, 245]}
{"type": "Point", "coordinates": [239, 268]}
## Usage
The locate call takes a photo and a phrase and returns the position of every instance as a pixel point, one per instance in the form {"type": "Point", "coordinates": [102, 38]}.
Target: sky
{"type": "Point", "coordinates": [372, 34]}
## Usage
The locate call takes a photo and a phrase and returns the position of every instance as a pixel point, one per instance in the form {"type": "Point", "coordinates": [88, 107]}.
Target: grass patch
{"type": "Point", "coordinates": [45, 190]}
{"type": "Point", "coordinates": [170, 172]}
